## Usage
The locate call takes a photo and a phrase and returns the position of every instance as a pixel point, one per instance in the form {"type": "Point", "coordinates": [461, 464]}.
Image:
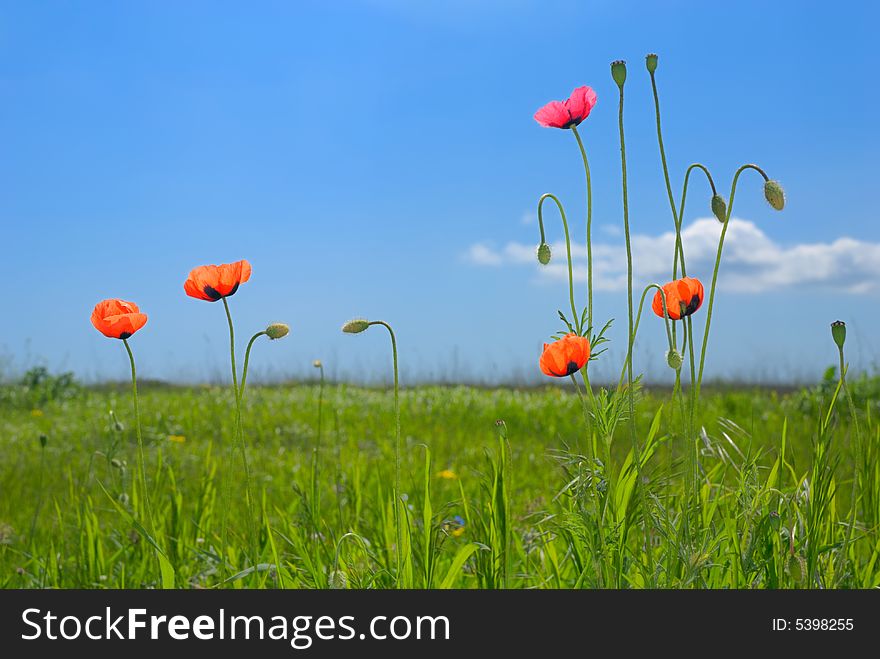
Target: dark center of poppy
{"type": "Point", "coordinates": [693, 305]}
{"type": "Point", "coordinates": [571, 368]}
{"type": "Point", "coordinates": [124, 335]}
{"type": "Point", "coordinates": [212, 293]}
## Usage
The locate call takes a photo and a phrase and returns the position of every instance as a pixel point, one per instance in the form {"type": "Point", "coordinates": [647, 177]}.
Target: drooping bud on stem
{"type": "Point", "coordinates": [719, 208]}
{"type": "Point", "coordinates": [651, 62]}
{"type": "Point", "coordinates": [618, 72]}
{"type": "Point", "coordinates": [277, 330]}
{"type": "Point", "coordinates": [774, 194]}
{"type": "Point", "coordinates": [543, 253]}
{"type": "Point", "coordinates": [838, 333]}
{"type": "Point", "coordinates": [674, 359]}
{"type": "Point", "coordinates": [355, 326]}
{"type": "Point", "coordinates": [317, 363]}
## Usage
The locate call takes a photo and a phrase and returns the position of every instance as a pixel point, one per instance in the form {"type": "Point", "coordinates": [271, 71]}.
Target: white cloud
{"type": "Point", "coordinates": [752, 261]}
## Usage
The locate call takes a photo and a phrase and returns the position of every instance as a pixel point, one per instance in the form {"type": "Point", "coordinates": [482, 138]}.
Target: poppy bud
{"type": "Point", "coordinates": [838, 333]}
{"type": "Point", "coordinates": [543, 253]}
{"type": "Point", "coordinates": [277, 330]}
{"type": "Point", "coordinates": [674, 359]}
{"type": "Point", "coordinates": [796, 567]}
{"type": "Point", "coordinates": [317, 363]}
{"type": "Point", "coordinates": [355, 326]}
{"type": "Point", "coordinates": [651, 62]}
{"type": "Point", "coordinates": [774, 194]}
{"type": "Point", "coordinates": [337, 580]}
{"type": "Point", "coordinates": [502, 428]}
{"type": "Point", "coordinates": [618, 72]}
{"type": "Point", "coordinates": [43, 441]}
{"type": "Point", "coordinates": [719, 208]}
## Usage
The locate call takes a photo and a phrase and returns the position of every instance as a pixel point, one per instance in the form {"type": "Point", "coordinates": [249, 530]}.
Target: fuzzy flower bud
{"type": "Point", "coordinates": [317, 363]}
{"type": "Point", "coordinates": [337, 580]}
{"type": "Point", "coordinates": [44, 439]}
{"type": "Point", "coordinates": [719, 208]}
{"type": "Point", "coordinates": [543, 253]}
{"type": "Point", "coordinates": [618, 72]}
{"type": "Point", "coordinates": [651, 62]}
{"type": "Point", "coordinates": [355, 326]}
{"type": "Point", "coordinates": [774, 194]}
{"type": "Point", "coordinates": [674, 359]}
{"type": "Point", "coordinates": [838, 333]}
{"type": "Point", "coordinates": [277, 330]}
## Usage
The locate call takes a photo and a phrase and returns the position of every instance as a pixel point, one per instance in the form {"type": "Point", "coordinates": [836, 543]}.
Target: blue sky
{"type": "Point", "coordinates": [380, 159]}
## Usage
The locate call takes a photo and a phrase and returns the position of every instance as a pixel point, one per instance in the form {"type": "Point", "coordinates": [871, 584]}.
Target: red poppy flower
{"type": "Point", "coordinates": [567, 113]}
{"type": "Point", "coordinates": [117, 319]}
{"type": "Point", "coordinates": [214, 282]}
{"type": "Point", "coordinates": [565, 356]}
{"type": "Point", "coordinates": [683, 297]}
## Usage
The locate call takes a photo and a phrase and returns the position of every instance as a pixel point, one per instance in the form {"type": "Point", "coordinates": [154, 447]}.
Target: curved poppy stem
{"type": "Point", "coordinates": [247, 356]}
{"type": "Point", "coordinates": [545, 197]}
{"type": "Point", "coordinates": [679, 246]}
{"type": "Point", "coordinates": [397, 443]}
{"type": "Point", "coordinates": [239, 432]}
{"type": "Point", "coordinates": [589, 226]}
{"type": "Point", "coordinates": [666, 320]}
{"type": "Point", "coordinates": [739, 171]}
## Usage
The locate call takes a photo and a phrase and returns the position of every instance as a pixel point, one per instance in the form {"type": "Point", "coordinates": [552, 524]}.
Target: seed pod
{"type": "Point", "coordinates": [618, 72]}
{"type": "Point", "coordinates": [838, 333]}
{"type": "Point", "coordinates": [651, 62]}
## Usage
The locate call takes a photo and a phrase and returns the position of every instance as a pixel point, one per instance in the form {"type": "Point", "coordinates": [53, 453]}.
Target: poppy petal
{"type": "Point", "coordinates": [553, 115]}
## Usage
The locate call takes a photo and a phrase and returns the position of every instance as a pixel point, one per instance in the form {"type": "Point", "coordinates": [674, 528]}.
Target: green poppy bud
{"type": "Point", "coordinates": [355, 326]}
{"type": "Point", "coordinates": [43, 441]}
{"type": "Point", "coordinates": [838, 333]}
{"type": "Point", "coordinates": [651, 62]}
{"type": "Point", "coordinates": [719, 207]}
{"type": "Point", "coordinates": [337, 580]}
{"type": "Point", "coordinates": [674, 359]}
{"type": "Point", "coordinates": [543, 253]}
{"type": "Point", "coordinates": [774, 194]}
{"type": "Point", "coordinates": [618, 72]}
{"type": "Point", "coordinates": [277, 330]}
{"type": "Point", "coordinates": [796, 568]}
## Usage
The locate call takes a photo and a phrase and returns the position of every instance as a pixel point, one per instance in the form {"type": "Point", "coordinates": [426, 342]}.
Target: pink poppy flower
{"type": "Point", "coordinates": [567, 113]}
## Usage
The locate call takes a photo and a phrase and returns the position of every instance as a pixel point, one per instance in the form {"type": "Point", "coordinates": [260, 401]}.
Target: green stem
{"type": "Point", "coordinates": [397, 444]}
{"type": "Point", "coordinates": [316, 504]}
{"type": "Point", "coordinates": [857, 461]}
{"type": "Point", "coordinates": [142, 470]}
{"type": "Point", "coordinates": [239, 432]}
{"type": "Point", "coordinates": [638, 321]}
{"type": "Point", "coordinates": [247, 357]}
{"type": "Point", "coordinates": [545, 197]}
{"type": "Point", "coordinates": [629, 367]}
{"type": "Point", "coordinates": [715, 270]}
{"type": "Point", "coordinates": [589, 226]}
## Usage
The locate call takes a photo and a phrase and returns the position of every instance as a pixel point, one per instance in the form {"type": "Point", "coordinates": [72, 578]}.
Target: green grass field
{"type": "Point", "coordinates": [487, 506]}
